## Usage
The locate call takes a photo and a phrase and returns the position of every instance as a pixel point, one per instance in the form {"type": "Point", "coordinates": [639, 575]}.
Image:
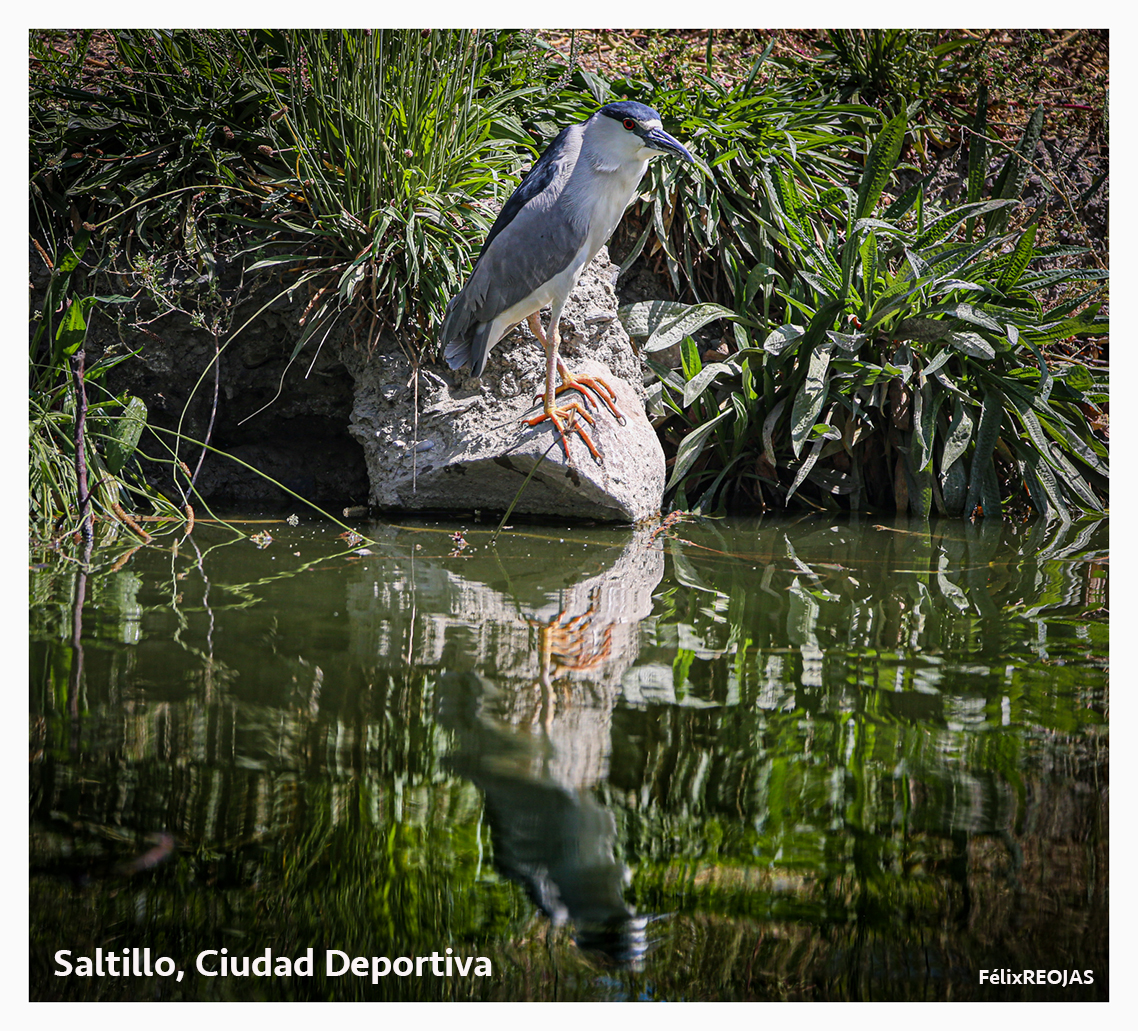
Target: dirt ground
{"type": "Point", "coordinates": [1067, 68]}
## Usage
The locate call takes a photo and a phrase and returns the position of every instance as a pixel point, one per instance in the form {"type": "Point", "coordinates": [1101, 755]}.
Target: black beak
{"type": "Point", "coordinates": [659, 140]}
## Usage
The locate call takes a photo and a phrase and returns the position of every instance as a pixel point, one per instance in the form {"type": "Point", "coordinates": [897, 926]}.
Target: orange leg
{"type": "Point", "coordinates": [592, 389]}
{"type": "Point", "coordinates": [557, 413]}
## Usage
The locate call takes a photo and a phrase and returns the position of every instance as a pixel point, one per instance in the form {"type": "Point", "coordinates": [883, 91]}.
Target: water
{"type": "Point", "coordinates": [808, 759]}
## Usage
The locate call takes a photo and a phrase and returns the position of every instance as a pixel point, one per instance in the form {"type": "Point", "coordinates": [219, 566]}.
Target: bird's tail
{"type": "Point", "coordinates": [457, 353]}
{"type": "Point", "coordinates": [478, 350]}
{"type": "Point", "coordinates": [464, 340]}
{"type": "Point", "coordinates": [454, 335]}
{"type": "Point", "coordinates": [471, 347]}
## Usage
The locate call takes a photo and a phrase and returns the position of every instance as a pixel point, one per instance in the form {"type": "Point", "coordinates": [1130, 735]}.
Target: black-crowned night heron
{"type": "Point", "coordinates": [552, 226]}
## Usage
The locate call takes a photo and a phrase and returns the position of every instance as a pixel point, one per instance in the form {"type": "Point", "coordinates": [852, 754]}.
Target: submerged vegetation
{"type": "Point", "coordinates": [851, 330]}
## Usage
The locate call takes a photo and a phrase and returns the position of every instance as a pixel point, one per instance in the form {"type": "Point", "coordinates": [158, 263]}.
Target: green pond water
{"type": "Point", "coordinates": [812, 759]}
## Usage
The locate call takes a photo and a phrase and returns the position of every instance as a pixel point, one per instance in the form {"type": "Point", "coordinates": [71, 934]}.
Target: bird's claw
{"type": "Point", "coordinates": [569, 411]}
{"type": "Point", "coordinates": [591, 388]}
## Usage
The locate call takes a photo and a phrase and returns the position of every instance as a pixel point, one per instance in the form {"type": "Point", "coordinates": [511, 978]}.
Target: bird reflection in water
{"type": "Point", "coordinates": [569, 645]}
{"type": "Point", "coordinates": [536, 746]}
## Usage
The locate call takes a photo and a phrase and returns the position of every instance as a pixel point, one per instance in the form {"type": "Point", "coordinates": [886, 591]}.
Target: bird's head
{"type": "Point", "coordinates": [635, 132]}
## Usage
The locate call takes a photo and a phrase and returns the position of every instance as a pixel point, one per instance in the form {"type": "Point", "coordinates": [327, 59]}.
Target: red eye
{"type": "Point", "coordinates": [629, 124]}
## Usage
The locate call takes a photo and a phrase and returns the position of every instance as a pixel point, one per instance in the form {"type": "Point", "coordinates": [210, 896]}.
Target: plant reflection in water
{"type": "Point", "coordinates": [846, 761]}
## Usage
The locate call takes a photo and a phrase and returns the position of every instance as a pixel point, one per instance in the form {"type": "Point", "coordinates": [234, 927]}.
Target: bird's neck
{"type": "Point", "coordinates": [630, 172]}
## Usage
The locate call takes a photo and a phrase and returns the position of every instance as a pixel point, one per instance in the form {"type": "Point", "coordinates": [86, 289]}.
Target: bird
{"type": "Point", "coordinates": [562, 212]}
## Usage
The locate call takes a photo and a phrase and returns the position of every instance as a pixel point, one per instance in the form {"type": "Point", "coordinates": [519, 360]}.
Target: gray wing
{"type": "Point", "coordinates": [530, 243]}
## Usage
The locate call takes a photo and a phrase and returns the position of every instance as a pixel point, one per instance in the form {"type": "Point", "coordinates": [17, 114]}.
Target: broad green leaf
{"type": "Point", "coordinates": [945, 286]}
{"type": "Point", "coordinates": [833, 196]}
{"type": "Point", "coordinates": [1068, 436]}
{"type": "Point", "coordinates": [881, 225]}
{"type": "Point", "coordinates": [1082, 323]}
{"type": "Point", "coordinates": [1063, 275]}
{"type": "Point", "coordinates": [807, 466]}
{"type": "Point", "coordinates": [703, 379]}
{"type": "Point", "coordinates": [821, 284]}
{"type": "Point", "coordinates": [789, 199]}
{"type": "Point", "coordinates": [1030, 423]}
{"type": "Point", "coordinates": [758, 277]}
{"type": "Point", "coordinates": [769, 424]}
{"type": "Point", "coordinates": [1077, 377]}
{"type": "Point", "coordinates": [125, 434]}
{"type": "Point", "coordinates": [1046, 380]}
{"type": "Point", "coordinates": [868, 253]}
{"type": "Point", "coordinates": [60, 283]}
{"type": "Point", "coordinates": [750, 391]}
{"type": "Point", "coordinates": [976, 316]}
{"type": "Point", "coordinates": [1074, 479]}
{"type": "Point", "coordinates": [1020, 256]}
{"type": "Point", "coordinates": [934, 365]}
{"type": "Point", "coordinates": [810, 398]}
{"type": "Point", "coordinates": [667, 322]}
{"type": "Point", "coordinates": [280, 259]}
{"type": "Point", "coordinates": [971, 343]}
{"type": "Point", "coordinates": [778, 340]}
{"type": "Point", "coordinates": [846, 341]}
{"type": "Point", "coordinates": [879, 164]}
{"type": "Point", "coordinates": [690, 358]}
{"type": "Point", "coordinates": [1042, 486]}
{"type": "Point", "coordinates": [939, 229]}
{"type": "Point", "coordinates": [72, 327]}
{"type": "Point", "coordinates": [920, 486]}
{"type": "Point", "coordinates": [959, 437]}
{"type": "Point", "coordinates": [926, 405]}
{"type": "Point", "coordinates": [691, 447]}
{"type": "Point", "coordinates": [954, 488]}
{"type": "Point", "coordinates": [983, 468]}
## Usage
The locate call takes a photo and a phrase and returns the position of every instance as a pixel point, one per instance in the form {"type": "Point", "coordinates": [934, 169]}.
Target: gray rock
{"type": "Point", "coordinates": [468, 447]}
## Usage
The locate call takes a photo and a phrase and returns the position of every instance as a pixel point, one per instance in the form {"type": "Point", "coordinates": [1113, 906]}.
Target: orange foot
{"type": "Point", "coordinates": [590, 388]}
{"type": "Point", "coordinates": [556, 414]}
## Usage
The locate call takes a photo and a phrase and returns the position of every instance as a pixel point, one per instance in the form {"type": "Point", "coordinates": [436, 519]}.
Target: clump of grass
{"type": "Point", "coordinates": [385, 147]}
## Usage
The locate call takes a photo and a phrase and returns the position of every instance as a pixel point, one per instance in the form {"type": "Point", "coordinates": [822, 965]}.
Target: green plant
{"type": "Point", "coordinates": [167, 135]}
{"type": "Point", "coordinates": [715, 224]}
{"type": "Point", "coordinates": [923, 72]}
{"type": "Point", "coordinates": [161, 166]}
{"type": "Point", "coordinates": [854, 313]}
{"type": "Point", "coordinates": [911, 370]}
{"type": "Point", "coordinates": [81, 451]}
{"type": "Point", "coordinates": [885, 64]}
{"type": "Point", "coordinates": [130, 156]}
{"type": "Point", "coordinates": [384, 149]}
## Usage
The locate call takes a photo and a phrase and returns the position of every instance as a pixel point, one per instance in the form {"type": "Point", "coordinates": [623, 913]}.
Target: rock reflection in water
{"type": "Point", "coordinates": [536, 740]}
